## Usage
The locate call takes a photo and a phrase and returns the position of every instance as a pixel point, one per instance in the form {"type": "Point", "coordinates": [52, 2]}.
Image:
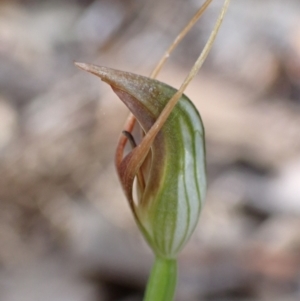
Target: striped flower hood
{"type": "Point", "coordinates": [170, 178]}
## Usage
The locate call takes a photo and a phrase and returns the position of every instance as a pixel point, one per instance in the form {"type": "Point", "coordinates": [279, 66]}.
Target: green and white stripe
{"type": "Point", "coordinates": [175, 207]}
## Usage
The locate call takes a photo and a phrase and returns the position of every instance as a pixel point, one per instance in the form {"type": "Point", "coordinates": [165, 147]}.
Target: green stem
{"type": "Point", "coordinates": [162, 281]}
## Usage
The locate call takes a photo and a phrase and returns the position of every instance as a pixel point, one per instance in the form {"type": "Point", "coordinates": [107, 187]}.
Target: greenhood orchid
{"type": "Point", "coordinates": [163, 176]}
{"type": "Point", "coordinates": [171, 180]}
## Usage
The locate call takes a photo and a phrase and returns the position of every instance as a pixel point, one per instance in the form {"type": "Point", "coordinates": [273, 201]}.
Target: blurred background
{"type": "Point", "coordinates": [66, 232]}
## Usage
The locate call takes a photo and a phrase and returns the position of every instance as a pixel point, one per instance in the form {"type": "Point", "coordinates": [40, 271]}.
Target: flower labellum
{"type": "Point", "coordinates": [171, 173]}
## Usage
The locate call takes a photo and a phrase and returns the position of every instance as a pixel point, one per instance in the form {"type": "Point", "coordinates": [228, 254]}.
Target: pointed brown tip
{"type": "Point", "coordinates": [103, 72]}
{"type": "Point", "coordinates": [83, 66]}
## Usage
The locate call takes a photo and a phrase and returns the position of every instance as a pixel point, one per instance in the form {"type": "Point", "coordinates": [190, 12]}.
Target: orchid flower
{"type": "Point", "coordinates": [171, 180]}
{"type": "Point", "coordinates": [163, 176]}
